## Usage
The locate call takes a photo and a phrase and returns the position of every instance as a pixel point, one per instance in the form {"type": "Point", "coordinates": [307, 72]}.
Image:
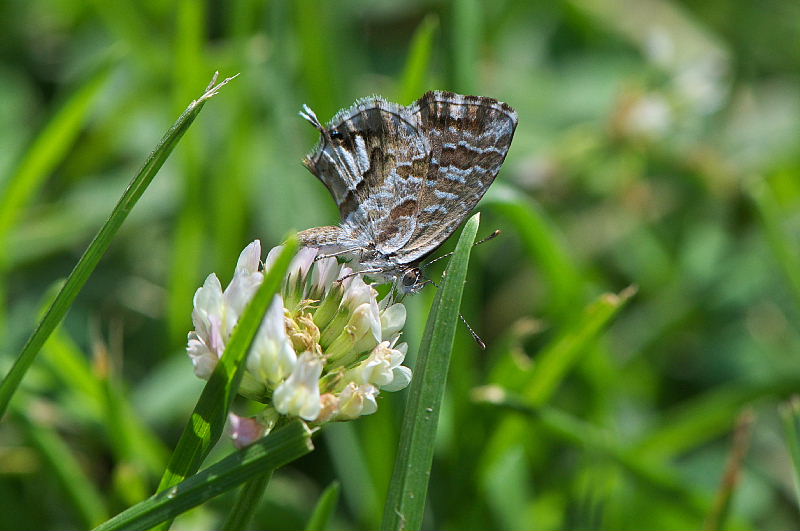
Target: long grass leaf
{"type": "Point", "coordinates": [544, 247]}
{"type": "Point", "coordinates": [273, 451]}
{"type": "Point", "coordinates": [326, 505]}
{"type": "Point", "coordinates": [48, 149]}
{"type": "Point", "coordinates": [418, 61]}
{"type": "Point", "coordinates": [246, 503]}
{"type": "Point", "coordinates": [409, 485]}
{"type": "Point", "coordinates": [208, 418]}
{"type": "Point", "coordinates": [790, 415]}
{"type": "Point", "coordinates": [62, 464]}
{"type": "Point", "coordinates": [555, 361]}
{"type": "Point", "coordinates": [97, 248]}
{"type": "Point", "coordinates": [467, 37]}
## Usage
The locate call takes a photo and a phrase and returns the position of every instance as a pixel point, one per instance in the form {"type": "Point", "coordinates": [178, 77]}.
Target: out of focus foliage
{"type": "Point", "coordinates": [657, 147]}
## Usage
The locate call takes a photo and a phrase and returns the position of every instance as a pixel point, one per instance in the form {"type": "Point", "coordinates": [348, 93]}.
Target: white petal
{"type": "Point", "coordinates": [401, 379]}
{"type": "Point", "coordinates": [271, 358]}
{"type": "Point", "coordinates": [299, 394]}
{"type": "Point", "coordinates": [250, 258]}
{"type": "Point", "coordinates": [393, 319]}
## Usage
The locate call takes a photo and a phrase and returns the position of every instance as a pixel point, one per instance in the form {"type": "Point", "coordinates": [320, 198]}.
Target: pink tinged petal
{"type": "Point", "coordinates": [203, 358]}
{"type": "Point", "coordinates": [272, 255]}
{"type": "Point", "coordinates": [250, 258]}
{"type": "Point", "coordinates": [299, 394]}
{"type": "Point", "coordinates": [324, 274]}
{"type": "Point", "coordinates": [244, 430]}
{"type": "Point", "coordinates": [303, 261]}
{"type": "Point", "coordinates": [271, 358]}
{"type": "Point", "coordinates": [207, 301]}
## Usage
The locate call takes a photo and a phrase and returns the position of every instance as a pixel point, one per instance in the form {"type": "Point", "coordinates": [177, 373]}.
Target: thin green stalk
{"type": "Point", "coordinates": [466, 33]}
{"type": "Point", "coordinates": [80, 492]}
{"type": "Point", "coordinates": [246, 503]}
{"type": "Point", "coordinates": [97, 248]}
{"type": "Point", "coordinates": [790, 415]}
{"type": "Point", "coordinates": [280, 447]}
{"type": "Point", "coordinates": [326, 505]}
{"type": "Point", "coordinates": [208, 418]}
{"type": "Point", "coordinates": [409, 485]}
{"type": "Point", "coordinates": [418, 61]}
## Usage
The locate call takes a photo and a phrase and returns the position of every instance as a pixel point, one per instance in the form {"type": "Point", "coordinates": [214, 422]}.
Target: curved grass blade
{"type": "Point", "coordinates": [790, 416]}
{"type": "Point", "coordinates": [544, 247]}
{"type": "Point", "coordinates": [80, 492]}
{"type": "Point", "coordinates": [325, 507]}
{"type": "Point", "coordinates": [406, 499]}
{"type": "Point", "coordinates": [97, 248]}
{"type": "Point", "coordinates": [208, 418]}
{"type": "Point", "coordinates": [48, 149]}
{"type": "Point", "coordinates": [419, 59]}
{"type": "Point", "coordinates": [280, 447]}
{"type": "Point", "coordinates": [246, 503]}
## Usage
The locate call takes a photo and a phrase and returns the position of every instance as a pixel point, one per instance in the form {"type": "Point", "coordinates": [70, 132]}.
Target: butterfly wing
{"type": "Point", "coordinates": [469, 137]}
{"type": "Point", "coordinates": [372, 158]}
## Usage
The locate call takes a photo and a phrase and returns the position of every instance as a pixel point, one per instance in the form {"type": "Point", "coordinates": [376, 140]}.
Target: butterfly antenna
{"type": "Point", "coordinates": [472, 332]}
{"type": "Point", "coordinates": [492, 236]}
{"type": "Point", "coordinates": [311, 116]}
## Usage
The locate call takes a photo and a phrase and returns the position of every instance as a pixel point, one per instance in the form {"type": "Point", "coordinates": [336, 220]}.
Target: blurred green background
{"type": "Point", "coordinates": [657, 147]}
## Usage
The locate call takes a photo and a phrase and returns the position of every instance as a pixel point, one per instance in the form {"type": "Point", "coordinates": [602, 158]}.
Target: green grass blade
{"type": "Point", "coordinates": [273, 451]}
{"type": "Point", "coordinates": [419, 60]}
{"type": "Point", "coordinates": [325, 507]}
{"type": "Point", "coordinates": [544, 247]}
{"type": "Point", "coordinates": [466, 32]}
{"type": "Point", "coordinates": [61, 463]}
{"type": "Point", "coordinates": [409, 485]}
{"type": "Point", "coordinates": [790, 415]}
{"type": "Point", "coordinates": [702, 419]}
{"type": "Point", "coordinates": [49, 148]}
{"type": "Point", "coordinates": [189, 237]}
{"type": "Point", "coordinates": [783, 246]}
{"type": "Point", "coordinates": [208, 418]}
{"type": "Point", "coordinates": [246, 503]}
{"type": "Point", "coordinates": [97, 248]}
{"type": "Point", "coordinates": [555, 361]}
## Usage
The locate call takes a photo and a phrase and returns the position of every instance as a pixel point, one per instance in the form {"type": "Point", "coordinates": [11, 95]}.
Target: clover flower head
{"type": "Point", "coordinates": [326, 348]}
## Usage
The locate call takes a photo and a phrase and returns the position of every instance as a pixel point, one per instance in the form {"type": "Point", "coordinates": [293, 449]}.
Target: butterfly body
{"type": "Point", "coordinates": [405, 177]}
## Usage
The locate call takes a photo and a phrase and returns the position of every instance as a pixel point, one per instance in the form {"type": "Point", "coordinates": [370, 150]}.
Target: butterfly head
{"type": "Point", "coordinates": [412, 280]}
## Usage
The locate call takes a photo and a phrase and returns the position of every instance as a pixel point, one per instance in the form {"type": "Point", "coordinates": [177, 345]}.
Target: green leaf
{"type": "Point", "coordinates": [325, 507]}
{"type": "Point", "coordinates": [466, 33]}
{"type": "Point", "coordinates": [554, 362]}
{"type": "Point", "coordinates": [418, 60]}
{"type": "Point", "coordinates": [280, 447]}
{"type": "Point", "coordinates": [48, 149]}
{"type": "Point", "coordinates": [544, 246]}
{"type": "Point", "coordinates": [409, 485]}
{"type": "Point", "coordinates": [97, 248]}
{"type": "Point", "coordinates": [246, 503]}
{"type": "Point", "coordinates": [790, 415]}
{"type": "Point", "coordinates": [208, 418]}
{"type": "Point", "coordinates": [82, 495]}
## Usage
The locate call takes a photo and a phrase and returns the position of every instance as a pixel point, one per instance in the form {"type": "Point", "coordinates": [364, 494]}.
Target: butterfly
{"type": "Point", "coordinates": [405, 177]}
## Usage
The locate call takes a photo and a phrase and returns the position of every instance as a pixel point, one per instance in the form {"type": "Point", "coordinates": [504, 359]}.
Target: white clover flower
{"type": "Point", "coordinates": [324, 351]}
{"type": "Point", "coordinates": [271, 357]}
{"type": "Point", "coordinates": [299, 395]}
{"type": "Point", "coordinates": [356, 400]}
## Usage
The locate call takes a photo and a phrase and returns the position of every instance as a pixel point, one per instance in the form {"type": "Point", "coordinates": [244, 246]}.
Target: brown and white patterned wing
{"type": "Point", "coordinates": [372, 157]}
{"type": "Point", "coordinates": [469, 138]}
